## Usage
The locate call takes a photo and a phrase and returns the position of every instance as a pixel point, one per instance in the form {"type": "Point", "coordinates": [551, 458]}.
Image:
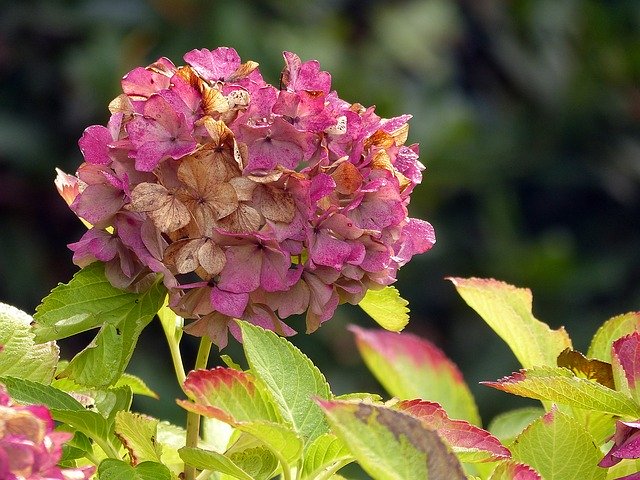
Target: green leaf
{"type": "Point", "coordinates": [262, 466]}
{"type": "Point", "coordinates": [98, 364]}
{"type": "Point", "coordinates": [507, 310]}
{"type": "Point", "coordinates": [559, 385]}
{"type": "Point", "coordinates": [557, 446]}
{"type": "Point", "coordinates": [89, 301]}
{"type": "Point", "coordinates": [252, 457]}
{"type": "Point", "coordinates": [326, 453]}
{"type": "Point", "coordinates": [510, 470]}
{"type": "Point", "coordinates": [19, 355]}
{"type": "Point", "coordinates": [508, 425]}
{"type": "Point", "coordinates": [387, 308]}
{"type": "Point", "coordinates": [280, 439]}
{"type": "Point", "coordinates": [111, 469]}
{"type": "Point", "coordinates": [34, 393]}
{"type": "Point", "coordinates": [410, 367]}
{"type": "Point", "coordinates": [138, 434]}
{"type": "Point", "coordinates": [610, 331]}
{"type": "Point", "coordinates": [391, 445]}
{"type": "Point", "coordinates": [172, 438]}
{"type": "Point", "coordinates": [229, 395]}
{"type": "Point", "coordinates": [137, 385]}
{"type": "Point", "coordinates": [292, 379]}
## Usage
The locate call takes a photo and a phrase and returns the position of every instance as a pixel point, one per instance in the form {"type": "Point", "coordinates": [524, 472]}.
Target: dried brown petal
{"type": "Point", "coordinates": [381, 160]}
{"type": "Point", "coordinates": [243, 219]}
{"type": "Point", "coordinates": [238, 98]}
{"type": "Point", "coordinates": [380, 138]}
{"type": "Point", "coordinates": [347, 177]}
{"type": "Point", "coordinates": [400, 134]}
{"type": "Point", "coordinates": [211, 257]}
{"type": "Point", "coordinates": [171, 216]}
{"type": "Point", "coordinates": [274, 203]}
{"type": "Point", "coordinates": [265, 177]}
{"type": "Point", "coordinates": [121, 104]}
{"type": "Point", "coordinates": [199, 172]}
{"type": "Point", "coordinates": [213, 101]}
{"type": "Point", "coordinates": [146, 197]}
{"type": "Point", "coordinates": [240, 154]}
{"type": "Point", "coordinates": [243, 70]}
{"type": "Point", "coordinates": [244, 188]}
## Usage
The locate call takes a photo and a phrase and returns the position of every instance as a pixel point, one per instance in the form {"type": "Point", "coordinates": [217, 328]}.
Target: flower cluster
{"type": "Point", "coordinates": [29, 448]}
{"type": "Point", "coordinates": [254, 202]}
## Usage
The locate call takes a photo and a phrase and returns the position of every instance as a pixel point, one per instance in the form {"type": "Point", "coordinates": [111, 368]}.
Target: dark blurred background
{"type": "Point", "coordinates": [527, 113]}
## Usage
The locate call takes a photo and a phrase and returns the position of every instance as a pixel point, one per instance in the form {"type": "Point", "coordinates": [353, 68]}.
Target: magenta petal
{"type": "Point", "coordinates": [275, 266]}
{"type": "Point", "coordinates": [417, 236]}
{"type": "Point", "coordinates": [321, 186]}
{"type": "Point", "coordinates": [214, 65]}
{"type": "Point", "coordinates": [325, 249]}
{"type": "Point", "coordinates": [94, 145]}
{"type": "Point", "coordinates": [305, 76]}
{"type": "Point", "coordinates": [241, 273]}
{"type": "Point", "coordinates": [141, 82]}
{"type": "Point", "coordinates": [98, 203]}
{"type": "Point", "coordinates": [228, 303]}
{"type": "Point", "coordinates": [95, 244]}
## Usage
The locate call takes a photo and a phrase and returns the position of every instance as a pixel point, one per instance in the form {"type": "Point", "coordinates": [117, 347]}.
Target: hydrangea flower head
{"type": "Point", "coordinates": [29, 447]}
{"type": "Point", "coordinates": [253, 201]}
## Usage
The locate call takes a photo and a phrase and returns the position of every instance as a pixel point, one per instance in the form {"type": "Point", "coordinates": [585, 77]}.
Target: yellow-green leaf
{"type": "Point", "coordinates": [386, 307]}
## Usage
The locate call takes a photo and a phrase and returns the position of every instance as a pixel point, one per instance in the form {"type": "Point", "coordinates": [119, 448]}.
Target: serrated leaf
{"type": "Point", "coordinates": [589, 368]}
{"type": "Point", "coordinates": [470, 443]}
{"type": "Point", "coordinates": [138, 434]}
{"type": "Point", "coordinates": [326, 453]}
{"type": "Point", "coordinates": [557, 446]}
{"type": "Point", "coordinates": [280, 439]}
{"type": "Point", "coordinates": [610, 331]}
{"type": "Point", "coordinates": [391, 445]}
{"type": "Point", "coordinates": [291, 378]}
{"type": "Point", "coordinates": [368, 397]}
{"type": "Point", "coordinates": [229, 395]}
{"type": "Point", "coordinates": [387, 308]}
{"type": "Point", "coordinates": [511, 470]}
{"type": "Point", "coordinates": [35, 393]}
{"type": "Point", "coordinates": [89, 301]}
{"type": "Point", "coordinates": [137, 385]}
{"type": "Point", "coordinates": [259, 462]}
{"type": "Point", "coordinates": [111, 469]}
{"type": "Point", "coordinates": [98, 364]}
{"type": "Point", "coordinates": [172, 438]}
{"type": "Point", "coordinates": [508, 425]}
{"type": "Point", "coordinates": [410, 367]}
{"type": "Point", "coordinates": [208, 460]}
{"type": "Point", "coordinates": [559, 385]}
{"type": "Point", "coordinates": [20, 356]}
{"type": "Point", "coordinates": [507, 310]}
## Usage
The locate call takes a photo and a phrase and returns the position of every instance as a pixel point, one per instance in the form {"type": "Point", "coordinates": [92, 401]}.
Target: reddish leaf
{"type": "Point", "coordinates": [470, 442]}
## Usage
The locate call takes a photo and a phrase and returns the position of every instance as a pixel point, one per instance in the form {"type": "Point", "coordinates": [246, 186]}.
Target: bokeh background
{"type": "Point", "coordinates": [527, 112]}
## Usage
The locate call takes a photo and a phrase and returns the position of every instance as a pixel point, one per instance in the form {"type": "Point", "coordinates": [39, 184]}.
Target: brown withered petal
{"type": "Point", "coordinates": [381, 139]}
{"type": "Point", "coordinates": [190, 76]}
{"type": "Point", "coordinates": [186, 259]}
{"type": "Point", "coordinates": [213, 101]}
{"type": "Point", "coordinates": [400, 134]}
{"type": "Point", "coordinates": [238, 98]}
{"type": "Point", "coordinates": [274, 203]}
{"type": "Point", "coordinates": [240, 154]}
{"type": "Point", "coordinates": [243, 219]}
{"type": "Point", "coordinates": [347, 177]}
{"type": "Point", "coordinates": [172, 216]}
{"type": "Point", "coordinates": [146, 197]}
{"type": "Point", "coordinates": [121, 104]}
{"type": "Point", "coordinates": [265, 177]}
{"type": "Point", "coordinates": [244, 188]}
{"type": "Point", "coordinates": [211, 257]}
{"type": "Point", "coordinates": [199, 172]}
{"type": "Point", "coordinates": [582, 366]}
{"type": "Point", "coordinates": [381, 160]}
{"type": "Point", "coordinates": [242, 71]}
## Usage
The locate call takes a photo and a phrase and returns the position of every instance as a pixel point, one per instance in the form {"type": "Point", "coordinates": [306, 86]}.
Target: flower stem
{"type": "Point", "coordinates": [193, 419]}
{"type": "Point", "coordinates": [168, 321]}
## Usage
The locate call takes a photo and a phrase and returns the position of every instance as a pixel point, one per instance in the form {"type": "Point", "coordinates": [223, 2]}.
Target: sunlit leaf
{"type": "Point", "coordinates": [559, 385]}
{"type": "Point", "coordinates": [470, 443]}
{"type": "Point", "coordinates": [206, 459]}
{"type": "Point", "coordinates": [19, 355]}
{"type": "Point", "coordinates": [584, 367]}
{"type": "Point", "coordinates": [508, 425]}
{"type": "Point", "coordinates": [556, 446]}
{"type": "Point", "coordinates": [391, 445]}
{"type": "Point", "coordinates": [138, 435]}
{"type": "Point", "coordinates": [507, 310]}
{"type": "Point", "coordinates": [326, 453]}
{"type": "Point", "coordinates": [410, 367]}
{"type": "Point", "coordinates": [511, 470]}
{"type": "Point", "coordinates": [112, 469]}
{"type": "Point", "coordinates": [291, 378]}
{"type": "Point", "coordinates": [610, 331]}
{"type": "Point", "coordinates": [387, 308]}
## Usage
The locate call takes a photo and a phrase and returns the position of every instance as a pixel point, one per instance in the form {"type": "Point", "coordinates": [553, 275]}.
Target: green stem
{"type": "Point", "coordinates": [193, 419]}
{"type": "Point", "coordinates": [173, 341]}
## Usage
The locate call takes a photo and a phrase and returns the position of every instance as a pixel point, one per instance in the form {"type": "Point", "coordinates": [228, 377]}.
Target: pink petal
{"type": "Point", "coordinates": [228, 303]}
{"type": "Point", "coordinates": [94, 145]}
